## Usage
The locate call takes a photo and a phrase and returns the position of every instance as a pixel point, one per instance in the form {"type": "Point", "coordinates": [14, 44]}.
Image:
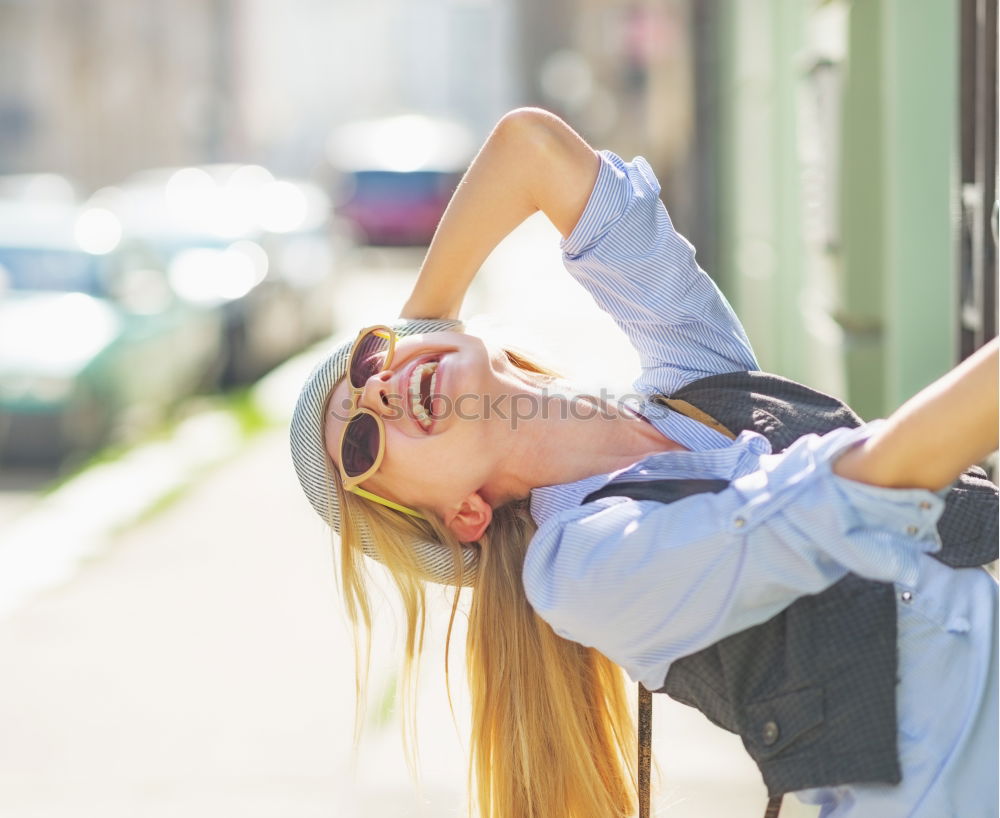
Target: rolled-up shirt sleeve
{"type": "Point", "coordinates": [626, 253]}
{"type": "Point", "coordinates": [647, 583]}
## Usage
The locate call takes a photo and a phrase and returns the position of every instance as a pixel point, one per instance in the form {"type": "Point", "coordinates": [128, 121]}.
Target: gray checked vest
{"type": "Point", "coordinates": [811, 691]}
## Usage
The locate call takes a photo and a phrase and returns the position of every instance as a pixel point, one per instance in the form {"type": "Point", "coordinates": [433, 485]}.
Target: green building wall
{"type": "Point", "coordinates": [836, 149]}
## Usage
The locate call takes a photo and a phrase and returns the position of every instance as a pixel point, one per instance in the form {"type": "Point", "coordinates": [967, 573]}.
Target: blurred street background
{"type": "Point", "coordinates": [197, 196]}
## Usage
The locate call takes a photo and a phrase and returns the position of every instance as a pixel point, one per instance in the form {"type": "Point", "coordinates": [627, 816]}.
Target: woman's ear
{"type": "Point", "coordinates": [470, 519]}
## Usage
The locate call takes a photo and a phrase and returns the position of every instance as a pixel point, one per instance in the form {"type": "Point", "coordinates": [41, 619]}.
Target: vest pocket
{"type": "Point", "coordinates": [772, 726]}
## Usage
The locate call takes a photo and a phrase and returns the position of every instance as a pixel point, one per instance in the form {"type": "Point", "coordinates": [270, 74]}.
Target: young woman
{"type": "Point", "coordinates": [451, 460]}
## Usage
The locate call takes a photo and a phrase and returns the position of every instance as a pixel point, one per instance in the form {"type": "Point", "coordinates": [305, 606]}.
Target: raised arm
{"type": "Point", "coordinates": [935, 435]}
{"type": "Point", "coordinates": [531, 161]}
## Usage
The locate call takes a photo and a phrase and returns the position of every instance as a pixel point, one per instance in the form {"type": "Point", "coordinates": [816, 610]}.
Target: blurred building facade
{"type": "Point", "coordinates": [95, 89]}
{"type": "Point", "coordinates": [833, 161]}
{"type": "Point", "coordinates": [855, 151]}
{"type": "Point", "coordinates": [622, 72]}
{"type": "Point", "coordinates": [319, 64]}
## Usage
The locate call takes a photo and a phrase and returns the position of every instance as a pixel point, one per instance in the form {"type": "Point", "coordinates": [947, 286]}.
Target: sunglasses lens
{"type": "Point", "coordinates": [360, 445]}
{"type": "Point", "coordinates": [368, 359]}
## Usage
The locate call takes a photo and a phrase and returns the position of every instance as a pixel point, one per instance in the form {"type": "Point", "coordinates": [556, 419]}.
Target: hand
{"type": "Point", "coordinates": [937, 434]}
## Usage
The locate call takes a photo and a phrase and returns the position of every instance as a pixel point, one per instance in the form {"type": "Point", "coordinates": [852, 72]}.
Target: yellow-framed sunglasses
{"type": "Point", "coordinates": [362, 441]}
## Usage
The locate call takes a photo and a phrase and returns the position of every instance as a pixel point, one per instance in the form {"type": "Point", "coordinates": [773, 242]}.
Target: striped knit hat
{"type": "Point", "coordinates": [313, 467]}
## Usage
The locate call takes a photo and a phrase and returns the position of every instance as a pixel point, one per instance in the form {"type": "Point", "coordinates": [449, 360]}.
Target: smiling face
{"type": "Point", "coordinates": [441, 443]}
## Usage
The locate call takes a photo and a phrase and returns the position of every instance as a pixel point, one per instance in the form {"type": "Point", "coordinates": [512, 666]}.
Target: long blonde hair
{"type": "Point", "coordinates": [552, 733]}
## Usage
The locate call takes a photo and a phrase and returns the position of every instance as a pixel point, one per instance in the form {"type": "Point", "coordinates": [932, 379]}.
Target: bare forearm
{"type": "Point", "coordinates": [531, 161]}
{"type": "Point", "coordinates": [934, 436]}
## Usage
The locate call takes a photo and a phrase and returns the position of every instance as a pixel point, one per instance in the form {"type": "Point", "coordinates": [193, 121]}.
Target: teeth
{"type": "Point", "coordinates": [416, 405]}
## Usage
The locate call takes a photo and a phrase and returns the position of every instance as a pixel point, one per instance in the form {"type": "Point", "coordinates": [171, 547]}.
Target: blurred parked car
{"type": "Point", "coordinates": [52, 188]}
{"type": "Point", "coordinates": [259, 250]}
{"type": "Point", "coordinates": [395, 176]}
{"type": "Point", "coordinates": [94, 344]}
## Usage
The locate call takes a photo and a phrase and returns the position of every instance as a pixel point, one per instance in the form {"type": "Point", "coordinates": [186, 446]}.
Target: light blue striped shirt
{"type": "Point", "coordinates": [647, 583]}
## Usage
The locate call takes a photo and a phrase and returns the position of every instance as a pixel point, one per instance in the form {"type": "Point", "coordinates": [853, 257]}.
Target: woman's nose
{"type": "Point", "coordinates": [377, 394]}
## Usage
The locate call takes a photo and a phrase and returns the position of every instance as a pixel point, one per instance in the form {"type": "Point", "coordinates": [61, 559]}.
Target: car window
{"type": "Point", "coordinates": [402, 186]}
{"type": "Point", "coordinates": [50, 269]}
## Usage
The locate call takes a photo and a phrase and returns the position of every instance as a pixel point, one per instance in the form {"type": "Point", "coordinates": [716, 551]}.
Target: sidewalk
{"type": "Point", "coordinates": [200, 667]}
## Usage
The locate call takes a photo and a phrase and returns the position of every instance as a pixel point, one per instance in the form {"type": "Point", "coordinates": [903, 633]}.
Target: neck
{"type": "Point", "coordinates": [567, 438]}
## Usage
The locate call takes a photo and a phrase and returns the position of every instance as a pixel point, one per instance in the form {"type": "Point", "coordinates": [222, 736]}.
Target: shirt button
{"type": "Point", "coordinates": [925, 506]}
{"type": "Point", "coordinates": [739, 522]}
{"type": "Point", "coordinates": [912, 530]}
{"type": "Point", "coordinates": [906, 596]}
{"type": "Point", "coordinates": [769, 734]}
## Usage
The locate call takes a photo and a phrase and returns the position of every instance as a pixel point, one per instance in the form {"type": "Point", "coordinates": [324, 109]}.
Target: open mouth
{"type": "Point", "coordinates": [421, 389]}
